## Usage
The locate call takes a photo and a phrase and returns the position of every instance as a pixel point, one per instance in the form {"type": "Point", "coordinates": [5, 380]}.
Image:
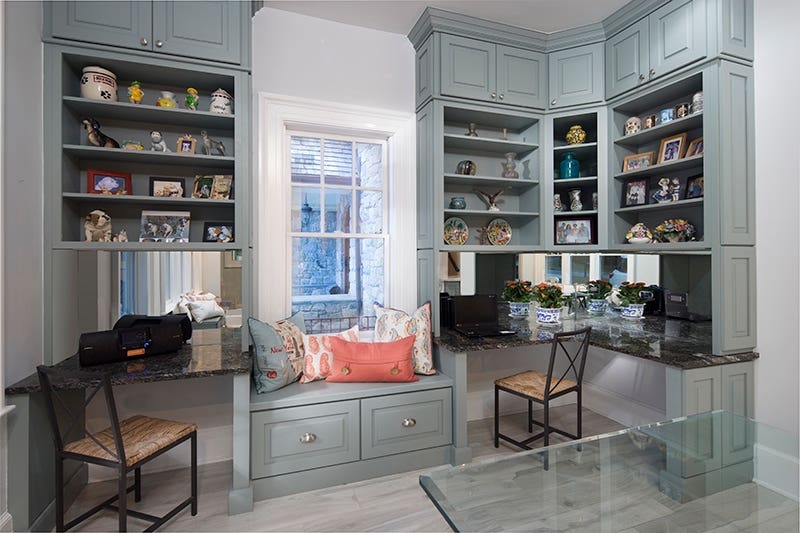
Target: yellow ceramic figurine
{"type": "Point", "coordinates": [167, 99]}
{"type": "Point", "coordinates": [192, 100]}
{"type": "Point", "coordinates": [135, 93]}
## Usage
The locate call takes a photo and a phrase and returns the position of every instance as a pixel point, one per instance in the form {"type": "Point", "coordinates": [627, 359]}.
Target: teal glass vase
{"type": "Point", "coordinates": [569, 167]}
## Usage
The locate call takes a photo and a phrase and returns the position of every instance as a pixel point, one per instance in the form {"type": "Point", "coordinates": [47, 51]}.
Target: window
{"type": "Point", "coordinates": [338, 221]}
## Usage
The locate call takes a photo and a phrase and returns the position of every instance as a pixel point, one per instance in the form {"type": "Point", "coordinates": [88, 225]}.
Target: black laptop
{"type": "Point", "coordinates": [476, 316]}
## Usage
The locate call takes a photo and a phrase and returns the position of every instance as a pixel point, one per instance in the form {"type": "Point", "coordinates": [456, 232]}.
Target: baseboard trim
{"type": "Point", "coordinates": [777, 471]}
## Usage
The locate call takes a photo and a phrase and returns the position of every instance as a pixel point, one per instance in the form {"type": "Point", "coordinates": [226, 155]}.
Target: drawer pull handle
{"type": "Point", "coordinates": [308, 437]}
{"type": "Point", "coordinates": [409, 422]}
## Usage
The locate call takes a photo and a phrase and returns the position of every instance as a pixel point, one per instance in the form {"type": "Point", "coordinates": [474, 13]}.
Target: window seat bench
{"type": "Point", "coordinates": [315, 435]}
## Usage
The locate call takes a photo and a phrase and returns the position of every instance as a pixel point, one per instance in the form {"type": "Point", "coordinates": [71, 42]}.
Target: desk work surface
{"type": "Point", "coordinates": [211, 352]}
{"type": "Point", "coordinates": [669, 341]}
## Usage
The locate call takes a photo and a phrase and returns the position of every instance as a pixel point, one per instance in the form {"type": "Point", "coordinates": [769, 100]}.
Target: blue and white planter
{"type": "Point", "coordinates": [633, 311]}
{"type": "Point", "coordinates": [519, 309]}
{"type": "Point", "coordinates": [546, 315]}
{"type": "Point", "coordinates": [597, 306]}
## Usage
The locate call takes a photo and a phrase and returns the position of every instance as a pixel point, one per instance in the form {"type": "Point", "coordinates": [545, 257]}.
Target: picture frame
{"type": "Point", "coordinates": [164, 226]}
{"type": "Point", "coordinates": [574, 230]}
{"type": "Point", "coordinates": [672, 148]}
{"type": "Point", "coordinates": [108, 182]}
{"type": "Point", "coordinates": [694, 187]}
{"type": "Point", "coordinates": [635, 192]}
{"type": "Point", "coordinates": [186, 144]}
{"type": "Point", "coordinates": [202, 186]}
{"type": "Point", "coordinates": [222, 187]}
{"type": "Point", "coordinates": [166, 187]}
{"type": "Point", "coordinates": [637, 161]}
{"type": "Point", "coordinates": [695, 147]}
{"type": "Point", "coordinates": [222, 232]}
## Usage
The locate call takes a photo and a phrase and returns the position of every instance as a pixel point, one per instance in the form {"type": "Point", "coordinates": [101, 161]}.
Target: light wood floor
{"type": "Point", "coordinates": [390, 503]}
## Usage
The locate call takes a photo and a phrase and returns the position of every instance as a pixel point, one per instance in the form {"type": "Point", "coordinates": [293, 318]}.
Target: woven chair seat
{"type": "Point", "coordinates": [533, 384]}
{"type": "Point", "coordinates": [142, 436]}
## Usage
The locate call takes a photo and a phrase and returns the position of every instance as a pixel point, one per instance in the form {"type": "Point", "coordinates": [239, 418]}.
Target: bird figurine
{"type": "Point", "coordinates": [97, 137]}
{"type": "Point", "coordinates": [490, 198]}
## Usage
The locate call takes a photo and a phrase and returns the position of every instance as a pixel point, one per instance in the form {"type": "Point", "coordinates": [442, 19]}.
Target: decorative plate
{"type": "Point", "coordinates": [499, 232]}
{"type": "Point", "coordinates": [456, 231]}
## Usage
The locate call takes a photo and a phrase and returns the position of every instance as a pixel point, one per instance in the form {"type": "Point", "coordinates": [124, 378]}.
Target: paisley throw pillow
{"type": "Point", "coordinates": [392, 324]}
{"type": "Point", "coordinates": [319, 353]}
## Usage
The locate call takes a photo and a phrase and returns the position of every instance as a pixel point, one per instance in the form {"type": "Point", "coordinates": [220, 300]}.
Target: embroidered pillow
{"type": "Point", "coordinates": [319, 354]}
{"type": "Point", "coordinates": [372, 361]}
{"type": "Point", "coordinates": [278, 347]}
{"type": "Point", "coordinates": [392, 324]}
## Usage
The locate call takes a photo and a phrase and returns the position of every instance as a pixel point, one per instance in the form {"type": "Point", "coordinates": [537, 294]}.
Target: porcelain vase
{"type": "Point", "coordinates": [576, 135]}
{"type": "Point", "coordinates": [575, 203]}
{"type": "Point", "coordinates": [632, 311]}
{"type": "Point", "coordinates": [519, 309]}
{"type": "Point", "coordinates": [547, 315]}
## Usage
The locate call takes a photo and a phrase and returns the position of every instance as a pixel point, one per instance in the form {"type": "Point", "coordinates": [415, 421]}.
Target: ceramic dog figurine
{"type": "Point", "coordinates": [97, 137]}
{"type": "Point", "coordinates": [97, 226]}
{"type": "Point", "coordinates": [157, 143]}
{"type": "Point", "coordinates": [210, 144]}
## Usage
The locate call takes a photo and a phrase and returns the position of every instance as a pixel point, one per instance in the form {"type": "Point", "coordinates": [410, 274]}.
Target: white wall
{"type": "Point", "coordinates": [777, 179]}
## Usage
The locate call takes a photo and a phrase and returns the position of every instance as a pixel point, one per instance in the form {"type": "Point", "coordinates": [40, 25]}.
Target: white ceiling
{"type": "Point", "coordinates": [399, 16]}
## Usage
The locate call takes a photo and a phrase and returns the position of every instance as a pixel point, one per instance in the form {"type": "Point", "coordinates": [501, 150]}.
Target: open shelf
{"type": "Point", "coordinates": [679, 164]}
{"type": "Point", "coordinates": [108, 199]}
{"type": "Point", "coordinates": [148, 113]}
{"type": "Point", "coordinates": [95, 153]}
{"type": "Point", "coordinates": [572, 182]}
{"type": "Point", "coordinates": [660, 131]}
{"type": "Point", "coordinates": [663, 206]}
{"type": "Point", "coordinates": [483, 144]}
{"type": "Point", "coordinates": [135, 246]}
{"type": "Point", "coordinates": [574, 213]}
{"type": "Point", "coordinates": [490, 214]}
{"type": "Point", "coordinates": [515, 184]}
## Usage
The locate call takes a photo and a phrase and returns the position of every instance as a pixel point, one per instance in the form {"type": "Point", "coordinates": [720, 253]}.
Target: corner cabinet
{"type": "Point", "coordinates": [208, 31]}
{"type": "Point", "coordinates": [576, 76]}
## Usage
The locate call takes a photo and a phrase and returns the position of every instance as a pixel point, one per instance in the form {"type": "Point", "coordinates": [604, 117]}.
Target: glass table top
{"type": "Point", "coordinates": [709, 472]}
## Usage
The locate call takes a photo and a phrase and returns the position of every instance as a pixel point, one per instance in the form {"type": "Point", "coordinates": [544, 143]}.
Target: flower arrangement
{"type": "Point", "coordinates": [674, 230]}
{"type": "Point", "coordinates": [517, 291]}
{"type": "Point", "coordinates": [598, 289]}
{"type": "Point", "coordinates": [631, 293]}
{"type": "Point", "coordinates": [548, 295]}
{"type": "Point", "coordinates": [639, 234]}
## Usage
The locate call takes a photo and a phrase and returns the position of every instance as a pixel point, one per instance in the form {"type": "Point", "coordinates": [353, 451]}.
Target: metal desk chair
{"type": "Point", "coordinates": [541, 388]}
{"type": "Point", "coordinates": [124, 445]}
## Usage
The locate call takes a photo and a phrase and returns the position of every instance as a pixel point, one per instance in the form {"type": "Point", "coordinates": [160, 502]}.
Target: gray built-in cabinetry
{"type": "Point", "coordinates": [658, 54]}
{"type": "Point", "coordinates": [70, 261]}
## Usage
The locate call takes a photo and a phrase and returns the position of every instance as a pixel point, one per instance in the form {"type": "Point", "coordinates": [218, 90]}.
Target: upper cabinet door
{"type": "Point", "coordinates": [468, 68]}
{"type": "Point", "coordinates": [576, 76]}
{"type": "Point", "coordinates": [206, 30]}
{"type": "Point", "coordinates": [125, 24]}
{"type": "Point", "coordinates": [521, 77]}
{"type": "Point", "coordinates": [627, 58]}
{"type": "Point", "coordinates": [677, 35]}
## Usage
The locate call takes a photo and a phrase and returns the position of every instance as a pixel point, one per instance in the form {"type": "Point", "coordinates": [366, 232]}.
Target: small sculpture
{"type": "Point", "coordinates": [510, 165]}
{"type": "Point", "coordinates": [97, 226]}
{"type": "Point", "coordinates": [167, 99]}
{"type": "Point", "coordinates": [157, 143]}
{"type": "Point", "coordinates": [471, 132]}
{"type": "Point", "coordinates": [192, 99]}
{"type": "Point", "coordinates": [662, 195]}
{"type": "Point", "coordinates": [675, 189]}
{"type": "Point", "coordinates": [122, 236]}
{"type": "Point", "coordinates": [490, 199]}
{"type": "Point", "coordinates": [135, 93]}
{"type": "Point", "coordinates": [210, 144]}
{"type": "Point", "coordinates": [97, 137]}
{"type": "Point", "coordinates": [132, 145]}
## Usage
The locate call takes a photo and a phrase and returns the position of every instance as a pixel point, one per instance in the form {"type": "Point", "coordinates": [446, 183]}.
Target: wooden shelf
{"type": "Point", "coordinates": [133, 246]}
{"type": "Point", "coordinates": [483, 144]}
{"type": "Point", "coordinates": [147, 113]}
{"type": "Point", "coordinates": [680, 164]}
{"type": "Point", "coordinates": [512, 183]}
{"type": "Point", "coordinates": [152, 200]}
{"type": "Point", "coordinates": [147, 156]}
{"type": "Point", "coordinates": [490, 214]}
{"type": "Point", "coordinates": [656, 133]}
{"type": "Point", "coordinates": [693, 202]}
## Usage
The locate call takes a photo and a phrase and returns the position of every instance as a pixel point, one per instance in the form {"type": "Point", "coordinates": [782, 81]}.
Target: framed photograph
{"type": "Point", "coordinates": [218, 232]}
{"type": "Point", "coordinates": [221, 189]}
{"type": "Point", "coordinates": [694, 187]}
{"type": "Point", "coordinates": [166, 187]}
{"type": "Point", "coordinates": [637, 161]}
{"type": "Point", "coordinates": [165, 226]}
{"type": "Point", "coordinates": [107, 182]}
{"type": "Point", "coordinates": [186, 144]}
{"type": "Point", "coordinates": [635, 193]}
{"type": "Point", "coordinates": [574, 231]}
{"type": "Point", "coordinates": [202, 186]}
{"type": "Point", "coordinates": [695, 147]}
{"type": "Point", "coordinates": [672, 148]}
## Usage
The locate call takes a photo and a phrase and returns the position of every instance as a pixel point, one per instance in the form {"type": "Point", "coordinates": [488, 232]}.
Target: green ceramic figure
{"type": "Point", "coordinates": [192, 100]}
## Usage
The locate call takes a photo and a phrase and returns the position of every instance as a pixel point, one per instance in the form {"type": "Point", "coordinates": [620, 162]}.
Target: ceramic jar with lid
{"type": "Point", "coordinates": [221, 102]}
{"type": "Point", "coordinates": [697, 102]}
{"type": "Point", "coordinates": [99, 84]}
{"type": "Point", "coordinates": [633, 125]}
{"type": "Point", "coordinates": [576, 135]}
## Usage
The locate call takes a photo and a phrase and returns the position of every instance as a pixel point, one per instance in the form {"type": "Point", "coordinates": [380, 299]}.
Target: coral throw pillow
{"type": "Point", "coordinates": [319, 353]}
{"type": "Point", "coordinates": [278, 347]}
{"type": "Point", "coordinates": [372, 361]}
{"type": "Point", "coordinates": [393, 324]}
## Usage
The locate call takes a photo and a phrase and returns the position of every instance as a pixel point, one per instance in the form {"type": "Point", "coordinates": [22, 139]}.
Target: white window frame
{"type": "Point", "coordinates": [277, 115]}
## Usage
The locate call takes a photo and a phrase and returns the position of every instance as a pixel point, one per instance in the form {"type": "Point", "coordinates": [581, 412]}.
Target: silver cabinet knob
{"type": "Point", "coordinates": [641, 77]}
{"type": "Point", "coordinates": [652, 72]}
{"type": "Point", "coordinates": [553, 101]}
{"type": "Point", "coordinates": [308, 437]}
{"type": "Point", "coordinates": [502, 96]}
{"type": "Point", "coordinates": [144, 41]}
{"type": "Point", "coordinates": [493, 95]}
{"type": "Point", "coordinates": [159, 43]}
{"type": "Point", "coordinates": [409, 422]}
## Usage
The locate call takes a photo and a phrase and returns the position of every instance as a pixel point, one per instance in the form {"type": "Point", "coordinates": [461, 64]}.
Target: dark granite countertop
{"type": "Point", "coordinates": [211, 352]}
{"type": "Point", "coordinates": [673, 342]}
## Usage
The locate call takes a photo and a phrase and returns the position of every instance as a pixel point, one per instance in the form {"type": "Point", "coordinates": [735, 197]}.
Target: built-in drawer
{"type": "Point", "coordinates": [404, 422]}
{"type": "Point", "coordinates": [302, 438]}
